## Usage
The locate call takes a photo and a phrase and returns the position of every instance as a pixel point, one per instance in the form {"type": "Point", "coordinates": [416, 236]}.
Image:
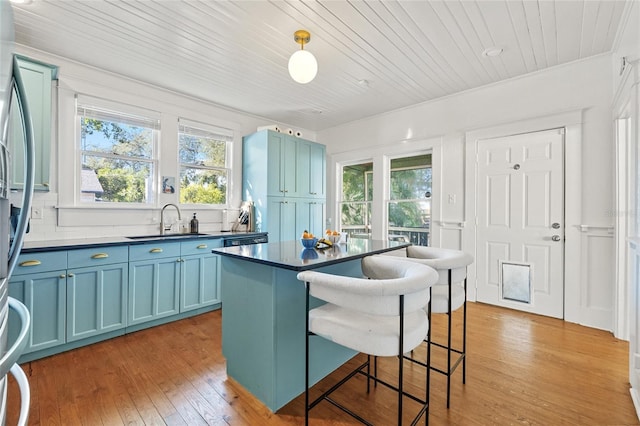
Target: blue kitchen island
{"type": "Point", "coordinates": [263, 311]}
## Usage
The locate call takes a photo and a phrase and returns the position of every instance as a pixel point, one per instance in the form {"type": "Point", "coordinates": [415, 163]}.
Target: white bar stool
{"type": "Point", "coordinates": [447, 296]}
{"type": "Point", "coordinates": [380, 316]}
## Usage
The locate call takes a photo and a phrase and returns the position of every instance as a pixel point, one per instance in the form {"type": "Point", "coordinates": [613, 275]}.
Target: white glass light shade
{"type": "Point", "coordinates": [303, 66]}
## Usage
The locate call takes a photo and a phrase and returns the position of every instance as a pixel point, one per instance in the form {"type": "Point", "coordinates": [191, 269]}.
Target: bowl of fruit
{"type": "Point", "coordinates": [332, 235]}
{"type": "Point", "coordinates": [308, 240]}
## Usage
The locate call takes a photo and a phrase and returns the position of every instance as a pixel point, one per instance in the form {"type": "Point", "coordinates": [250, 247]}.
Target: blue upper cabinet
{"type": "Point", "coordinates": [311, 160]}
{"type": "Point", "coordinates": [283, 172]}
{"type": "Point", "coordinates": [37, 78]}
{"type": "Point", "coordinates": [282, 167]}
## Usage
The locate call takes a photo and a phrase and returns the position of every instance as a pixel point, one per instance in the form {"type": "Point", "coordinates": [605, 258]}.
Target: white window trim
{"type": "Point", "coordinates": [124, 109]}
{"type": "Point", "coordinates": [381, 158]}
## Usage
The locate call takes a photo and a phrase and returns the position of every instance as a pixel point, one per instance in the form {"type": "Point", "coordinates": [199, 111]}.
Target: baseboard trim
{"type": "Point", "coordinates": [635, 397]}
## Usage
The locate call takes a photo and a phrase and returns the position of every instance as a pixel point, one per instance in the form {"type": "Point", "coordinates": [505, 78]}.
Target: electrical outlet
{"type": "Point", "coordinates": [452, 198]}
{"type": "Point", "coordinates": [36, 213]}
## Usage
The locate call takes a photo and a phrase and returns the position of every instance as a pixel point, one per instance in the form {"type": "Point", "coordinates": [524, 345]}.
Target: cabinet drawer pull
{"type": "Point", "coordinates": [155, 250]}
{"type": "Point", "coordinates": [202, 246]}
{"type": "Point", "coordinates": [100, 256]}
{"type": "Point", "coordinates": [30, 263]}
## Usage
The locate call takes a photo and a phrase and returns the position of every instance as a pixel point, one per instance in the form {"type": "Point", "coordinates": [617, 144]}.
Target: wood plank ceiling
{"type": "Point", "coordinates": [373, 56]}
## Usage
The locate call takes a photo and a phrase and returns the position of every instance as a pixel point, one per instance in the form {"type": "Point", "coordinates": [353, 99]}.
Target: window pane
{"type": "Point", "coordinates": [355, 217]}
{"type": "Point", "coordinates": [357, 183]}
{"type": "Point", "coordinates": [410, 214]}
{"type": "Point", "coordinates": [203, 186]}
{"type": "Point", "coordinates": [117, 161]}
{"type": "Point", "coordinates": [203, 163]}
{"type": "Point", "coordinates": [115, 180]}
{"type": "Point", "coordinates": [202, 151]}
{"type": "Point", "coordinates": [409, 208]}
{"type": "Point", "coordinates": [116, 138]}
{"type": "Point", "coordinates": [410, 184]}
{"type": "Point", "coordinates": [411, 220]}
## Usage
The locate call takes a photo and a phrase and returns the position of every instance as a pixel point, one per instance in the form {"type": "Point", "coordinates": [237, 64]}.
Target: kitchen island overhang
{"type": "Point", "coordinates": [263, 311]}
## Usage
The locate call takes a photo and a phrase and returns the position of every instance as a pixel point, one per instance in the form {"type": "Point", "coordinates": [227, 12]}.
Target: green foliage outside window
{"type": "Point", "coordinates": [357, 192]}
{"type": "Point", "coordinates": [410, 205]}
{"type": "Point", "coordinates": [122, 186]}
{"type": "Point", "coordinates": [119, 155]}
{"type": "Point", "coordinates": [203, 176]}
{"type": "Point", "coordinates": [410, 194]}
{"type": "Point", "coordinates": [199, 194]}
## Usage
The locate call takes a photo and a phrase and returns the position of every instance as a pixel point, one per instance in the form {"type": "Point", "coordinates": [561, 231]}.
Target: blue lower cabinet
{"type": "Point", "coordinates": [80, 296]}
{"type": "Point", "coordinates": [199, 282]}
{"type": "Point", "coordinates": [44, 295]}
{"type": "Point", "coordinates": [154, 289]}
{"type": "Point", "coordinates": [96, 300]}
{"type": "Point", "coordinates": [200, 274]}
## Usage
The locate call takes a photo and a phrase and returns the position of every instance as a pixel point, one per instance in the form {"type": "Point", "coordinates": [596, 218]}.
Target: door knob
{"type": "Point", "coordinates": [555, 225]}
{"type": "Point", "coordinates": [555, 238]}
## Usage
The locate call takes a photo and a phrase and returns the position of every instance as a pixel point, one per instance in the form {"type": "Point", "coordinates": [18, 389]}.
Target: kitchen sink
{"type": "Point", "coordinates": [158, 236]}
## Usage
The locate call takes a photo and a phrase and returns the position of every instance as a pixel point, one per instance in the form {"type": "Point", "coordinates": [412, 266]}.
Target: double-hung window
{"type": "Point", "coordinates": [410, 199]}
{"type": "Point", "coordinates": [204, 153]}
{"type": "Point", "coordinates": [357, 193]}
{"type": "Point", "coordinates": [117, 152]}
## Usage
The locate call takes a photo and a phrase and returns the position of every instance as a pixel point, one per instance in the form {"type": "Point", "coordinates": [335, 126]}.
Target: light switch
{"type": "Point", "coordinates": [452, 198]}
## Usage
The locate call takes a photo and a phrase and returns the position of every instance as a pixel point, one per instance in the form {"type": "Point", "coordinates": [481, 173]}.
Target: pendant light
{"type": "Point", "coordinates": [303, 66]}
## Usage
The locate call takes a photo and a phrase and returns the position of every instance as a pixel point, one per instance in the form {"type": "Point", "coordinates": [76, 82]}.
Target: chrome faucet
{"type": "Point", "coordinates": [162, 227]}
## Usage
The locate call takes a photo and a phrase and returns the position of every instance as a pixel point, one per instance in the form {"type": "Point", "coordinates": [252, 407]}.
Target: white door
{"type": "Point", "coordinates": [520, 214]}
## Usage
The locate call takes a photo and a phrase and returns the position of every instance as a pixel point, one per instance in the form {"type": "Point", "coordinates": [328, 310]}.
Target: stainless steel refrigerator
{"type": "Point", "coordinates": [13, 220]}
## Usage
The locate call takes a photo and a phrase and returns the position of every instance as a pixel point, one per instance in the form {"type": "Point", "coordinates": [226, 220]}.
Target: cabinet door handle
{"type": "Point", "coordinates": [100, 256]}
{"type": "Point", "coordinates": [30, 263]}
{"type": "Point", "coordinates": [155, 250]}
{"type": "Point", "coordinates": [202, 246]}
{"type": "Point", "coordinates": [71, 274]}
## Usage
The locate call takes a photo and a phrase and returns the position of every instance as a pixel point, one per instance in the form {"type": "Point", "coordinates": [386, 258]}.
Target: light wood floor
{"type": "Point", "coordinates": [522, 369]}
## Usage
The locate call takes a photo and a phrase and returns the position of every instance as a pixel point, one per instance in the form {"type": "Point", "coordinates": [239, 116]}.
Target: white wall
{"type": "Point", "coordinates": [584, 86]}
{"type": "Point", "coordinates": [439, 125]}
{"type": "Point", "coordinates": [62, 220]}
{"type": "Point", "coordinates": [580, 85]}
{"type": "Point", "coordinates": [625, 109]}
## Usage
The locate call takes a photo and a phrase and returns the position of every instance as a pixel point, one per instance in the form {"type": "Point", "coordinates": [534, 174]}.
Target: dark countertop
{"type": "Point", "coordinates": [291, 255]}
{"type": "Point", "coordinates": [80, 243]}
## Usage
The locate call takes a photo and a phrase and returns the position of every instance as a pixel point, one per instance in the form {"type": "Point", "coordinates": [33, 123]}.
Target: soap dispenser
{"type": "Point", "coordinates": [194, 225]}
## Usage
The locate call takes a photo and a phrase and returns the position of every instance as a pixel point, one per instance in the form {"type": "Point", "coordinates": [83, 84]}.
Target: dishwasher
{"type": "Point", "coordinates": [245, 239]}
